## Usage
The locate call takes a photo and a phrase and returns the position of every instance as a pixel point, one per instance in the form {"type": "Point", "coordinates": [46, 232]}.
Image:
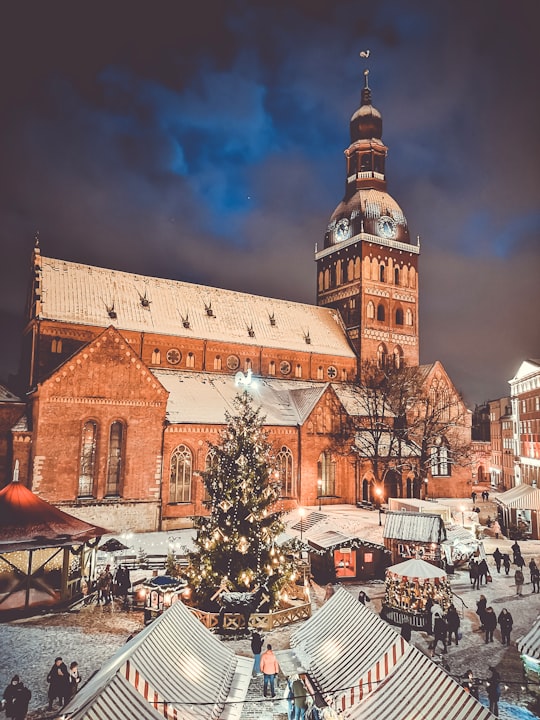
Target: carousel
{"type": "Point", "coordinates": [409, 586]}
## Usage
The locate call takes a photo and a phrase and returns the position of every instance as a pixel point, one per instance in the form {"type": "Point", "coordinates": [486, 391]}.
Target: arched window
{"type": "Point", "coordinates": [298, 371]}
{"type": "Point", "coordinates": [180, 475]}
{"type": "Point", "coordinates": [382, 272]}
{"type": "Point", "coordinates": [285, 471]}
{"type": "Point", "coordinates": [370, 310]}
{"type": "Point", "coordinates": [412, 277]}
{"type": "Point", "coordinates": [382, 355]}
{"type": "Point", "coordinates": [344, 375]}
{"type": "Point", "coordinates": [326, 279]}
{"type": "Point", "coordinates": [380, 312]}
{"type": "Point", "coordinates": [209, 463]}
{"type": "Point", "coordinates": [217, 362]}
{"type": "Point", "coordinates": [350, 270]}
{"type": "Point", "coordinates": [321, 281]}
{"type": "Point", "coordinates": [440, 461]}
{"type": "Point", "coordinates": [409, 317]}
{"type": "Point", "coordinates": [399, 316]}
{"type": "Point", "coordinates": [272, 367]}
{"type": "Point", "coordinates": [156, 357]}
{"type": "Point", "coordinates": [87, 465]}
{"type": "Point", "coordinates": [248, 365]}
{"type": "Point", "coordinates": [326, 475]}
{"type": "Point", "coordinates": [338, 272]}
{"type": "Point", "coordinates": [115, 459]}
{"type": "Point", "coordinates": [320, 373]}
{"type": "Point", "coordinates": [190, 360]}
{"type": "Point", "coordinates": [396, 276]}
{"type": "Point", "coordinates": [398, 357]}
{"type": "Point", "coordinates": [56, 346]}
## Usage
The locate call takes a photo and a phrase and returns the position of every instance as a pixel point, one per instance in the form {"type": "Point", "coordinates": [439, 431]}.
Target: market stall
{"type": "Point", "coordinates": [519, 512]}
{"type": "Point", "coordinates": [529, 650]}
{"type": "Point", "coordinates": [414, 535]}
{"type": "Point", "coordinates": [408, 588]}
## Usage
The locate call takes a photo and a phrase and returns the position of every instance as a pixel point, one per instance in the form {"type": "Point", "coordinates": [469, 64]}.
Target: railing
{"type": "Point", "coordinates": [257, 621]}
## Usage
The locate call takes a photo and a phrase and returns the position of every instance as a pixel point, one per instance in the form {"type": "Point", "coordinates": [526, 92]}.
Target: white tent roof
{"type": "Point", "coordinates": [416, 568]}
{"type": "Point", "coordinates": [174, 664]}
{"type": "Point", "coordinates": [414, 526]}
{"type": "Point", "coordinates": [364, 668]}
{"type": "Point", "coordinates": [529, 644]}
{"type": "Point", "coordinates": [524, 497]}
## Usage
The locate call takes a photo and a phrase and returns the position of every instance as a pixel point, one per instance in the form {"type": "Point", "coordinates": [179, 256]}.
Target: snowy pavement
{"type": "Point", "coordinates": [93, 634]}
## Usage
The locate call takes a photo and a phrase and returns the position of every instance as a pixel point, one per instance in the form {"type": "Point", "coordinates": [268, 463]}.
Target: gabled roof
{"type": "Point", "coordinates": [175, 667]}
{"type": "Point", "coordinates": [520, 497]}
{"type": "Point", "coordinates": [527, 367]}
{"type": "Point", "coordinates": [366, 670]}
{"type": "Point", "coordinates": [416, 569]}
{"type": "Point", "coordinates": [414, 526]}
{"type": "Point", "coordinates": [204, 398]}
{"type": "Point", "coordinates": [76, 293]}
{"type": "Point", "coordinates": [27, 522]}
{"type": "Point", "coordinates": [7, 396]}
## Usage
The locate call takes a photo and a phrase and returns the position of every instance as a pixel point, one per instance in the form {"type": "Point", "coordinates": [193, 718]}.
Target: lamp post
{"type": "Point", "coordinates": [301, 513]}
{"type": "Point", "coordinates": [462, 515]}
{"type": "Point", "coordinates": [379, 493]}
{"type": "Point", "coordinates": [426, 488]}
{"type": "Point", "coordinates": [319, 492]}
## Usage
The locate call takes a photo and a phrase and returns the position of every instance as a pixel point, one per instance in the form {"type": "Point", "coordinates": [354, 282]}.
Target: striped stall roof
{"type": "Point", "coordinates": [529, 644]}
{"type": "Point", "coordinates": [177, 667]}
{"type": "Point", "coordinates": [521, 497]}
{"type": "Point", "coordinates": [118, 700]}
{"type": "Point", "coordinates": [364, 669]}
{"type": "Point", "coordinates": [420, 527]}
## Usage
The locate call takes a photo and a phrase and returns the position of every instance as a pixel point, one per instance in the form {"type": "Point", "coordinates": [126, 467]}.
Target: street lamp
{"type": "Point", "coordinates": [301, 513]}
{"type": "Point", "coordinates": [462, 508]}
{"type": "Point", "coordinates": [319, 492]}
{"type": "Point", "coordinates": [426, 488]}
{"type": "Point", "coordinates": [378, 492]}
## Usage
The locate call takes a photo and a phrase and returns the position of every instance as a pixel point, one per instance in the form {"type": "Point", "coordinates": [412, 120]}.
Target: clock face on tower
{"type": "Point", "coordinates": [386, 227]}
{"type": "Point", "coordinates": [342, 229]}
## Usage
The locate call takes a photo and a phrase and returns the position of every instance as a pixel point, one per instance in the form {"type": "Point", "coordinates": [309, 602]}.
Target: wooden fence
{"type": "Point", "coordinates": [258, 621]}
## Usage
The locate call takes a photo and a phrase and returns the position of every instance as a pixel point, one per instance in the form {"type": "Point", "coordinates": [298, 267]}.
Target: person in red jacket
{"type": "Point", "coordinates": [269, 668]}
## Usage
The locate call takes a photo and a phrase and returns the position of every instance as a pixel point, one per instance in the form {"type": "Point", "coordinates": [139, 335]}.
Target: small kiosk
{"type": "Point", "coordinates": [415, 535]}
{"type": "Point", "coordinates": [408, 586]}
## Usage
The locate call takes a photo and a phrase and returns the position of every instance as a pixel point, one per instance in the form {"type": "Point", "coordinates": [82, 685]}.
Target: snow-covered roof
{"type": "Point", "coordinates": [529, 644]}
{"type": "Point", "coordinates": [175, 666]}
{"type": "Point", "coordinates": [416, 568]}
{"type": "Point", "coordinates": [414, 526]}
{"type": "Point", "coordinates": [7, 396]}
{"type": "Point", "coordinates": [520, 497]}
{"type": "Point", "coordinates": [323, 532]}
{"type": "Point", "coordinates": [366, 670]}
{"type": "Point", "coordinates": [203, 398]}
{"type": "Point", "coordinates": [77, 293]}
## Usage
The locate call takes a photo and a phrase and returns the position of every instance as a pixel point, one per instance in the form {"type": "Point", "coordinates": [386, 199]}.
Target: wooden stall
{"type": "Point", "coordinates": [410, 535]}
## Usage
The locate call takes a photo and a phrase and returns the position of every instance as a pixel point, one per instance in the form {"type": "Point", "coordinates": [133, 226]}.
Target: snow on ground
{"type": "Point", "coordinates": [91, 635]}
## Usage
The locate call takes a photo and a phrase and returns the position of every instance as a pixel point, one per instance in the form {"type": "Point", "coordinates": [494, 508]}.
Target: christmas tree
{"type": "Point", "coordinates": [236, 542]}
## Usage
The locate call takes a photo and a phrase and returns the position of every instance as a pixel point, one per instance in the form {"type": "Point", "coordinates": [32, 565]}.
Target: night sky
{"type": "Point", "coordinates": [203, 141]}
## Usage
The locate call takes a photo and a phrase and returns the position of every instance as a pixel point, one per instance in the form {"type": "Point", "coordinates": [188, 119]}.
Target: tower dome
{"type": "Point", "coordinates": [366, 123]}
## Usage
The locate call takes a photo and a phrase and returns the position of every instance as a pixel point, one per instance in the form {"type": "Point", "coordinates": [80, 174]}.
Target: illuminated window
{"type": "Point", "coordinates": [87, 468]}
{"type": "Point", "coordinates": [180, 475]}
{"type": "Point", "coordinates": [56, 346]}
{"type": "Point", "coordinates": [370, 310]}
{"type": "Point", "coordinates": [285, 471]}
{"type": "Point", "coordinates": [298, 371]}
{"type": "Point", "coordinates": [217, 362]}
{"type": "Point", "coordinates": [272, 368]}
{"type": "Point", "coordinates": [156, 357]}
{"type": "Point", "coordinates": [409, 317]}
{"type": "Point", "coordinates": [326, 474]}
{"type": "Point", "coordinates": [190, 360]}
{"type": "Point", "coordinates": [320, 373]}
{"type": "Point", "coordinates": [344, 375]}
{"type": "Point", "coordinates": [440, 462]}
{"type": "Point", "coordinates": [247, 364]}
{"type": "Point", "coordinates": [382, 355]}
{"type": "Point", "coordinates": [114, 461]}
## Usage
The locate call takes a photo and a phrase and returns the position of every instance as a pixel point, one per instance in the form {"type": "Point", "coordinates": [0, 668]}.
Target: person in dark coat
{"type": "Point", "coordinates": [490, 623]}
{"type": "Point", "coordinates": [535, 579]}
{"type": "Point", "coordinates": [406, 631]}
{"type": "Point", "coordinates": [481, 606]}
{"type": "Point", "coordinates": [470, 683]}
{"type": "Point", "coordinates": [505, 623]}
{"type": "Point", "coordinates": [506, 563]}
{"type": "Point", "coordinates": [516, 550]}
{"type": "Point", "coordinates": [59, 683]}
{"type": "Point", "coordinates": [520, 562]}
{"type": "Point", "coordinates": [473, 574]}
{"type": "Point", "coordinates": [16, 699]}
{"type": "Point", "coordinates": [453, 622]}
{"type": "Point", "coordinates": [483, 571]}
{"type": "Point", "coordinates": [429, 623]}
{"type": "Point", "coordinates": [497, 556]}
{"type": "Point", "coordinates": [440, 631]}
{"type": "Point", "coordinates": [494, 690]}
{"type": "Point", "coordinates": [256, 648]}
{"type": "Point", "coordinates": [363, 598]}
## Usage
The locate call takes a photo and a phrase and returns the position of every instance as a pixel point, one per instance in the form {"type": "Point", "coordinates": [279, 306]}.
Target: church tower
{"type": "Point", "coordinates": [368, 268]}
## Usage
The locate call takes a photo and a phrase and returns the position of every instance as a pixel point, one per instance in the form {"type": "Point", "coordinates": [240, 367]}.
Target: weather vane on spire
{"type": "Point", "coordinates": [365, 54]}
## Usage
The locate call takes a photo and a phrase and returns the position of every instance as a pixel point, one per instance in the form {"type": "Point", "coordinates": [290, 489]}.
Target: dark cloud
{"type": "Point", "coordinates": [205, 143]}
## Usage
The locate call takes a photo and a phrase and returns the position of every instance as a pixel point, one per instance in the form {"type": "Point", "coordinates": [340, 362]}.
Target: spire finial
{"type": "Point", "coordinates": [36, 239]}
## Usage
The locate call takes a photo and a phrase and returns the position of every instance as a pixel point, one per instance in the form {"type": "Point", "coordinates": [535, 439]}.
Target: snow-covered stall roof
{"type": "Point", "coordinates": [365, 669]}
{"type": "Point", "coordinates": [420, 506]}
{"type": "Point", "coordinates": [175, 665]}
{"type": "Point", "coordinates": [416, 569]}
{"type": "Point", "coordinates": [324, 532]}
{"type": "Point", "coordinates": [529, 644]}
{"type": "Point", "coordinates": [521, 497]}
{"type": "Point", "coordinates": [203, 398]}
{"type": "Point", "coordinates": [420, 527]}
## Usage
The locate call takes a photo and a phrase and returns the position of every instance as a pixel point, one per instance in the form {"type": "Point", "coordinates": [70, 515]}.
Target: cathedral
{"type": "Point", "coordinates": [128, 377]}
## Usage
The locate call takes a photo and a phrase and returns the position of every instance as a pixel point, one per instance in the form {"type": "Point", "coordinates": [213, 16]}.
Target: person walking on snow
{"type": "Point", "coordinates": [506, 563]}
{"type": "Point", "coordinates": [497, 556]}
{"type": "Point", "coordinates": [16, 699]}
{"type": "Point", "coordinates": [490, 623]}
{"type": "Point", "coordinates": [256, 648]}
{"type": "Point", "coordinates": [269, 668]}
{"type": "Point", "coordinates": [519, 580]}
{"type": "Point", "coordinates": [535, 579]}
{"type": "Point", "coordinates": [453, 623]}
{"type": "Point", "coordinates": [505, 623]}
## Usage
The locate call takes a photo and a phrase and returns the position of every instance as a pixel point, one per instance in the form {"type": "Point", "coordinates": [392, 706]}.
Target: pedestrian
{"type": "Point", "coordinates": [519, 561]}
{"type": "Point", "coordinates": [470, 683]}
{"type": "Point", "coordinates": [256, 648]}
{"type": "Point", "coordinates": [363, 598]}
{"type": "Point", "coordinates": [123, 582]}
{"type": "Point", "coordinates": [496, 527]}
{"type": "Point", "coordinates": [497, 556]}
{"type": "Point", "coordinates": [74, 677]}
{"type": "Point", "coordinates": [300, 699]}
{"type": "Point", "coordinates": [506, 563]}
{"type": "Point", "coordinates": [290, 696]}
{"type": "Point", "coordinates": [473, 574]}
{"type": "Point", "coordinates": [505, 623]}
{"type": "Point", "coordinates": [104, 586]}
{"type": "Point", "coordinates": [483, 572]}
{"type": "Point", "coordinates": [269, 668]}
{"type": "Point", "coordinates": [453, 622]}
{"type": "Point", "coordinates": [406, 631]}
{"type": "Point", "coordinates": [59, 683]}
{"type": "Point", "coordinates": [16, 699]}
{"type": "Point", "coordinates": [329, 591]}
{"type": "Point", "coordinates": [535, 579]}
{"type": "Point", "coordinates": [494, 690]}
{"type": "Point", "coordinates": [429, 618]}
{"type": "Point", "coordinates": [519, 580]}
{"type": "Point", "coordinates": [473, 497]}
{"type": "Point", "coordinates": [487, 495]}
{"type": "Point", "coordinates": [532, 566]}
{"type": "Point", "coordinates": [481, 606]}
{"type": "Point", "coordinates": [440, 631]}
{"type": "Point", "coordinates": [515, 549]}
{"type": "Point", "coordinates": [490, 623]}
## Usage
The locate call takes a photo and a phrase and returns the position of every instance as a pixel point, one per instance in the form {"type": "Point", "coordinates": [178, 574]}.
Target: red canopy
{"type": "Point", "coordinates": [27, 522]}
